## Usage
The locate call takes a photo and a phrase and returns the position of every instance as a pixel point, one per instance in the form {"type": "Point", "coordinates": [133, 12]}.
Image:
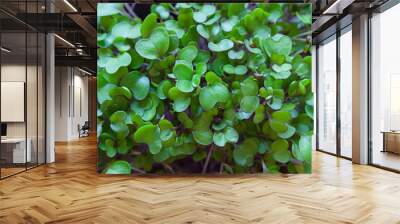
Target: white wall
{"type": "Point", "coordinates": [71, 102]}
{"type": "Point", "coordinates": [61, 103]}
{"type": "Point", "coordinates": [16, 73]}
{"type": "Point", "coordinates": [33, 127]}
{"type": "Point", "coordinates": [80, 110]}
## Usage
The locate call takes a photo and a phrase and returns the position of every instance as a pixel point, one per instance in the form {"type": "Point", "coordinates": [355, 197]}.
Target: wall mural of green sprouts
{"type": "Point", "coordinates": [204, 88]}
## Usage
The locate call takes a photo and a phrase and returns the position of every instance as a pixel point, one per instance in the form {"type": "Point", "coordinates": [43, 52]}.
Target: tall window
{"type": "Point", "coordinates": [327, 96]}
{"type": "Point", "coordinates": [346, 93]}
{"type": "Point", "coordinates": [385, 89]}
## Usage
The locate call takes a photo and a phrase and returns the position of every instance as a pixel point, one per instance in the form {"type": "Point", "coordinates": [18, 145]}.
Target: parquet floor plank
{"type": "Point", "coordinates": [70, 191]}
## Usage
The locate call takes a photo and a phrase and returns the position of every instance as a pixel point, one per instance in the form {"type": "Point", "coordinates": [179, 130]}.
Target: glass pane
{"type": "Point", "coordinates": [346, 94]}
{"type": "Point", "coordinates": [41, 99]}
{"type": "Point", "coordinates": [385, 86]}
{"type": "Point", "coordinates": [22, 88]}
{"type": "Point", "coordinates": [13, 86]}
{"type": "Point", "coordinates": [32, 96]}
{"type": "Point", "coordinates": [327, 97]}
{"type": "Point", "coordinates": [32, 87]}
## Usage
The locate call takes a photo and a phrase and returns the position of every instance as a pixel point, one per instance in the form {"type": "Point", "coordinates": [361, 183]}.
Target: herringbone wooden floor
{"type": "Point", "coordinates": [70, 191]}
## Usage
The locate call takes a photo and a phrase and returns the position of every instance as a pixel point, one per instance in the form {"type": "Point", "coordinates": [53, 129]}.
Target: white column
{"type": "Point", "coordinates": [50, 99]}
{"type": "Point", "coordinates": [360, 90]}
{"type": "Point", "coordinates": [314, 90]}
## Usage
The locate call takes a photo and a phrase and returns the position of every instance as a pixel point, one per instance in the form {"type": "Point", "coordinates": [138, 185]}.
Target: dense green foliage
{"type": "Point", "coordinates": [212, 88]}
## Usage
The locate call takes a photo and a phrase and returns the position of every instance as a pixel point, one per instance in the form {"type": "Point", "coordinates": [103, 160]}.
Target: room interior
{"type": "Point", "coordinates": [333, 55]}
{"type": "Point", "coordinates": [71, 100]}
{"type": "Point", "coordinates": [22, 101]}
{"type": "Point", "coordinates": [385, 88]}
{"type": "Point", "coordinates": [23, 90]}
